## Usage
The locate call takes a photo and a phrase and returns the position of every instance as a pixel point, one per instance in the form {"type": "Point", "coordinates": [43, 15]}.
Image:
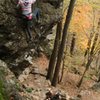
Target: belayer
{"type": "Point", "coordinates": [27, 16]}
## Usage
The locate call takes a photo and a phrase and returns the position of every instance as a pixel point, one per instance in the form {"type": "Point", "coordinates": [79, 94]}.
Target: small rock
{"type": "Point", "coordinates": [35, 98]}
{"type": "Point", "coordinates": [21, 78]}
{"type": "Point", "coordinates": [11, 81]}
{"type": "Point", "coordinates": [15, 96]}
{"type": "Point", "coordinates": [96, 87]}
{"type": "Point", "coordinates": [26, 71]}
{"type": "Point", "coordinates": [75, 98]}
{"type": "Point", "coordinates": [35, 70]}
{"type": "Point", "coordinates": [28, 58]}
{"type": "Point", "coordinates": [8, 44]}
{"type": "Point", "coordinates": [48, 83]}
{"type": "Point", "coordinates": [50, 37]}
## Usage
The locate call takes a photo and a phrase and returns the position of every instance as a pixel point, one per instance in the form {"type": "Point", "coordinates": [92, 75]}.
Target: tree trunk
{"type": "Point", "coordinates": [90, 59]}
{"type": "Point", "coordinates": [61, 50]}
{"type": "Point", "coordinates": [87, 67]}
{"type": "Point", "coordinates": [54, 52]}
{"type": "Point", "coordinates": [97, 62]}
{"type": "Point", "coordinates": [94, 44]}
{"type": "Point", "coordinates": [99, 74]}
{"type": "Point", "coordinates": [72, 44]}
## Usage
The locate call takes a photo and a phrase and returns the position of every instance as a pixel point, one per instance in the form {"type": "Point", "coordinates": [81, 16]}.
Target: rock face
{"type": "Point", "coordinates": [14, 49]}
{"type": "Point", "coordinates": [10, 16]}
{"type": "Point", "coordinates": [8, 13]}
{"type": "Point", "coordinates": [12, 35]}
{"type": "Point", "coordinates": [13, 90]}
{"type": "Point", "coordinates": [7, 83]}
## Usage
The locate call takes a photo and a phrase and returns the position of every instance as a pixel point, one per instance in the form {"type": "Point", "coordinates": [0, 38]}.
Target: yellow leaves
{"type": "Point", "coordinates": [82, 20]}
{"type": "Point", "coordinates": [81, 24]}
{"type": "Point", "coordinates": [81, 17]}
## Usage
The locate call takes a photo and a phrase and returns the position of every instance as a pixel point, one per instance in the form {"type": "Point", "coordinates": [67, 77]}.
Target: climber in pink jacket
{"type": "Point", "coordinates": [26, 7]}
{"type": "Point", "coordinates": [27, 16]}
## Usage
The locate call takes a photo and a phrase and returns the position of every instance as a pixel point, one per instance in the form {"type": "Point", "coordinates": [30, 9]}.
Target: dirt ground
{"type": "Point", "coordinates": [68, 84]}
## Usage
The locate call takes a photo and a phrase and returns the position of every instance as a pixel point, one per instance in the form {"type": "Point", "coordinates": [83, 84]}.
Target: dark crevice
{"type": "Point", "coordinates": [4, 52]}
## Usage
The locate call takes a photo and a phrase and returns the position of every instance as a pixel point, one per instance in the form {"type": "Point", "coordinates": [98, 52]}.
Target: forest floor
{"type": "Point", "coordinates": [36, 84]}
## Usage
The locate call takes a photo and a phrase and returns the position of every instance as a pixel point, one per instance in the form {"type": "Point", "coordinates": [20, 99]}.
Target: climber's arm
{"type": "Point", "coordinates": [33, 1]}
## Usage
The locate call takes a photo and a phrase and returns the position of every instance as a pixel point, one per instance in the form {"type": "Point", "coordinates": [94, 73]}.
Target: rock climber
{"type": "Point", "coordinates": [27, 16]}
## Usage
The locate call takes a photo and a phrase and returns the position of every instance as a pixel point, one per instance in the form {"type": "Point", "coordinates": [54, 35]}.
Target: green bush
{"type": "Point", "coordinates": [3, 93]}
